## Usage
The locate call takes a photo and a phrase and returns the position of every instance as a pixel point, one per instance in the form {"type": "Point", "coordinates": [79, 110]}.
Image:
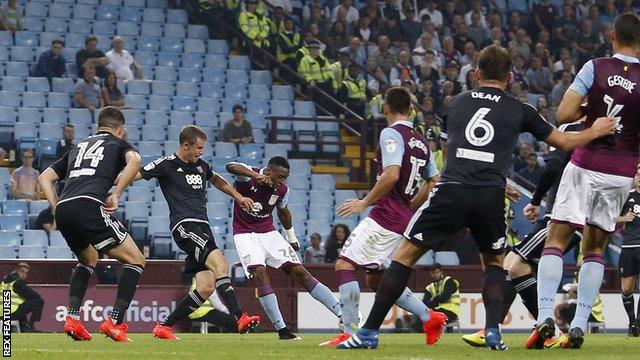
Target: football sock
{"type": "Point", "coordinates": [638, 311]}
{"type": "Point", "coordinates": [77, 288]}
{"type": "Point", "coordinates": [509, 295]}
{"type": "Point", "coordinates": [549, 277]}
{"type": "Point", "coordinates": [220, 319]}
{"type": "Point", "coordinates": [127, 287]}
{"type": "Point", "coordinates": [323, 295]}
{"type": "Point", "coordinates": [408, 301]}
{"type": "Point", "coordinates": [349, 298]}
{"type": "Point", "coordinates": [186, 306]}
{"type": "Point", "coordinates": [493, 284]}
{"type": "Point", "coordinates": [228, 295]}
{"type": "Point", "coordinates": [627, 301]}
{"type": "Point", "coordinates": [526, 286]}
{"type": "Point", "coordinates": [269, 303]}
{"type": "Point", "coordinates": [392, 284]}
{"type": "Point", "coordinates": [589, 283]}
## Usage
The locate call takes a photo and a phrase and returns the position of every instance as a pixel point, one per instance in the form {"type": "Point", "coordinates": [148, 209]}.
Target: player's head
{"type": "Point", "coordinates": [277, 170]}
{"type": "Point", "coordinates": [397, 101]}
{"type": "Point", "coordinates": [23, 270]}
{"type": "Point", "coordinates": [111, 119]}
{"type": "Point", "coordinates": [192, 142]}
{"type": "Point", "coordinates": [625, 32]}
{"type": "Point", "coordinates": [435, 271]}
{"type": "Point", "coordinates": [494, 65]}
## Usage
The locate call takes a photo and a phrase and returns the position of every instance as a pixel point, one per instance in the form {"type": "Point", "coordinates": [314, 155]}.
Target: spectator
{"type": "Point", "coordinates": [521, 44]}
{"type": "Point", "coordinates": [565, 54]}
{"type": "Point", "coordinates": [91, 54]}
{"type": "Point", "coordinates": [609, 14]}
{"type": "Point", "coordinates": [363, 31]}
{"type": "Point", "coordinates": [237, 130]}
{"type": "Point", "coordinates": [86, 93]}
{"type": "Point", "coordinates": [391, 10]}
{"type": "Point", "coordinates": [430, 67]}
{"type": "Point", "coordinates": [66, 143]}
{"type": "Point", "coordinates": [23, 299]}
{"type": "Point", "coordinates": [560, 88]}
{"type": "Point", "coordinates": [471, 65]}
{"type": "Point", "coordinates": [355, 50]}
{"type": "Point", "coordinates": [514, 23]}
{"type": "Point", "coordinates": [586, 42]}
{"type": "Point", "coordinates": [449, 52]}
{"type": "Point", "coordinates": [11, 17]}
{"type": "Point", "coordinates": [45, 221]}
{"type": "Point", "coordinates": [495, 38]}
{"type": "Point", "coordinates": [319, 4]}
{"type": "Point", "coordinates": [434, 146]}
{"type": "Point", "coordinates": [352, 14]}
{"type": "Point", "coordinates": [289, 42]}
{"type": "Point", "coordinates": [435, 16]}
{"type": "Point", "coordinates": [443, 294]}
{"type": "Point", "coordinates": [111, 95]}
{"type": "Point", "coordinates": [476, 8]}
{"type": "Point", "coordinates": [477, 32]}
{"type": "Point", "coordinates": [461, 38]}
{"type": "Point", "coordinates": [403, 69]}
{"type": "Point", "coordinates": [120, 61]}
{"type": "Point", "coordinates": [434, 44]}
{"type": "Point", "coordinates": [374, 85]}
{"type": "Point", "coordinates": [539, 77]}
{"type": "Point", "coordinates": [604, 49]}
{"type": "Point", "coordinates": [315, 253]}
{"type": "Point", "coordinates": [339, 70]}
{"type": "Point", "coordinates": [317, 19]}
{"type": "Point", "coordinates": [51, 62]}
{"type": "Point", "coordinates": [353, 91]}
{"type": "Point", "coordinates": [469, 50]}
{"type": "Point", "coordinates": [383, 56]}
{"type": "Point", "coordinates": [566, 30]}
{"type": "Point", "coordinates": [544, 15]}
{"type": "Point", "coordinates": [24, 180]}
{"type": "Point", "coordinates": [418, 53]}
{"type": "Point", "coordinates": [451, 75]}
{"type": "Point", "coordinates": [390, 28]}
{"type": "Point", "coordinates": [284, 4]}
{"type": "Point", "coordinates": [337, 38]}
{"type": "Point", "coordinates": [520, 162]}
{"type": "Point", "coordinates": [531, 171]}
{"type": "Point", "coordinates": [314, 69]}
{"type": "Point", "coordinates": [449, 13]}
{"type": "Point", "coordinates": [411, 29]}
{"type": "Point", "coordinates": [339, 234]}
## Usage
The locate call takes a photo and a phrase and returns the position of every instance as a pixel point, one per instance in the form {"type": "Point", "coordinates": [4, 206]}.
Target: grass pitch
{"type": "Point", "coordinates": [267, 346]}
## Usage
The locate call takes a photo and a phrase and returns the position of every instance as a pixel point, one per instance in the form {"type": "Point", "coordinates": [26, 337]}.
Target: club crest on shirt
{"type": "Point", "coordinates": [200, 170]}
{"type": "Point", "coordinates": [273, 199]}
{"type": "Point", "coordinates": [391, 145]}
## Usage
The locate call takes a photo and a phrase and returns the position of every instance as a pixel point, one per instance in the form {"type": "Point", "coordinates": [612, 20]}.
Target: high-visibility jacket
{"type": "Point", "coordinates": [254, 25]}
{"type": "Point", "coordinates": [356, 89]}
{"type": "Point", "coordinates": [437, 288]}
{"type": "Point", "coordinates": [292, 42]}
{"type": "Point", "coordinates": [439, 159]}
{"type": "Point", "coordinates": [233, 4]}
{"type": "Point", "coordinates": [204, 309]}
{"type": "Point", "coordinates": [338, 74]}
{"type": "Point", "coordinates": [16, 300]}
{"type": "Point", "coordinates": [375, 106]}
{"type": "Point", "coordinates": [596, 309]}
{"type": "Point", "coordinates": [314, 69]}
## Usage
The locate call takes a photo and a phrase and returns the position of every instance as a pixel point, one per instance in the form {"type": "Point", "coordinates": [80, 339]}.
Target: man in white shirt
{"type": "Point", "coordinates": [477, 8]}
{"type": "Point", "coordinates": [435, 16]}
{"type": "Point", "coordinates": [120, 61]}
{"type": "Point", "coordinates": [352, 13]}
{"type": "Point", "coordinates": [284, 4]}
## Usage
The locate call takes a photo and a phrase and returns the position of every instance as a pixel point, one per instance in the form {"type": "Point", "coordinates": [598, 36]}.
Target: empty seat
{"type": "Point", "coordinates": [319, 212]}
{"type": "Point", "coordinates": [8, 251]}
{"type": "Point", "coordinates": [187, 88]}
{"type": "Point", "coordinates": [151, 29]}
{"type": "Point", "coordinates": [150, 147]}
{"type": "Point", "coordinates": [261, 77]}
{"type": "Point", "coordinates": [132, 14]}
{"type": "Point", "coordinates": [82, 12]}
{"type": "Point", "coordinates": [175, 31]}
{"type": "Point", "coordinates": [237, 77]}
{"type": "Point", "coordinates": [127, 28]}
{"type": "Point", "coordinates": [298, 182]}
{"type": "Point", "coordinates": [138, 87]}
{"type": "Point", "coordinates": [159, 209]}
{"type": "Point", "coordinates": [252, 151]}
{"type": "Point", "coordinates": [31, 252]}
{"type": "Point", "coordinates": [239, 62]}
{"type": "Point", "coordinates": [133, 116]}
{"type": "Point", "coordinates": [304, 108]}
{"type": "Point", "coordinates": [13, 83]}
{"type": "Point", "coordinates": [138, 194]}
{"type": "Point", "coordinates": [321, 197]}
{"type": "Point", "coordinates": [37, 84]}
{"type": "Point", "coordinates": [259, 92]}
{"type": "Point", "coordinates": [208, 104]}
{"type": "Point", "coordinates": [7, 114]}
{"type": "Point", "coordinates": [36, 9]}
{"type": "Point", "coordinates": [156, 117]}
{"type": "Point", "coordinates": [153, 133]}
{"type": "Point", "coordinates": [13, 222]}
{"type": "Point", "coordinates": [343, 195]}
{"type": "Point", "coordinates": [189, 74]}
{"type": "Point", "coordinates": [300, 167]}
{"type": "Point", "coordinates": [35, 238]}
{"type": "Point", "coordinates": [259, 107]}
{"type": "Point", "coordinates": [62, 85]}
{"type": "Point", "coordinates": [215, 61]}
{"type": "Point", "coordinates": [56, 239]}
{"type": "Point", "coordinates": [158, 224]}
{"type": "Point", "coordinates": [21, 53]}
{"type": "Point", "coordinates": [271, 150]}
{"type": "Point", "coordinates": [136, 101]}
{"type": "Point", "coordinates": [173, 45]}
{"type": "Point", "coordinates": [235, 91]}
{"type": "Point", "coordinates": [282, 92]}
{"type": "Point", "coordinates": [184, 103]}
{"type": "Point", "coordinates": [162, 88]}
{"type": "Point", "coordinates": [197, 32]}
{"type": "Point", "coordinates": [29, 115]}
{"type": "Point", "coordinates": [322, 182]}
{"type": "Point", "coordinates": [54, 116]}
{"type": "Point", "coordinates": [321, 227]}
{"type": "Point", "coordinates": [6, 39]}
{"type": "Point", "coordinates": [192, 61]}
{"type": "Point", "coordinates": [26, 38]}
{"type": "Point", "coordinates": [145, 58]}
{"type": "Point", "coordinates": [157, 4]}
{"type": "Point", "coordinates": [59, 252]}
{"type": "Point", "coordinates": [181, 118]}
{"type": "Point", "coordinates": [9, 238]}
{"type": "Point", "coordinates": [169, 59]}
{"type": "Point", "coordinates": [159, 102]}
{"type": "Point", "coordinates": [447, 258]}
{"type": "Point", "coordinates": [225, 150]}
{"type": "Point", "coordinates": [153, 15]}
{"type": "Point", "coordinates": [177, 16]}
{"type": "Point", "coordinates": [81, 116]}
{"type": "Point", "coordinates": [34, 99]}
{"type": "Point", "coordinates": [25, 131]}
{"type": "Point", "coordinates": [166, 73]}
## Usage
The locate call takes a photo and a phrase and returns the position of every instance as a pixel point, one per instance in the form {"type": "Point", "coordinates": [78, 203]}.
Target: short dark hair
{"type": "Point", "coordinates": [32, 151]}
{"type": "Point", "coordinates": [398, 100]}
{"type": "Point", "coordinates": [237, 107]}
{"type": "Point", "coordinates": [111, 117]}
{"type": "Point", "coordinates": [279, 161]}
{"type": "Point", "coordinates": [69, 125]}
{"type": "Point", "coordinates": [191, 133]}
{"type": "Point", "coordinates": [494, 63]}
{"type": "Point", "coordinates": [434, 266]}
{"type": "Point", "coordinates": [90, 38]}
{"type": "Point", "coordinates": [627, 29]}
{"type": "Point", "coordinates": [57, 41]}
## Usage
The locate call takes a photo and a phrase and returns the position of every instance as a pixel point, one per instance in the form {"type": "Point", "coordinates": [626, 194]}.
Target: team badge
{"type": "Point", "coordinates": [391, 145]}
{"type": "Point", "coordinates": [273, 199]}
{"type": "Point", "coordinates": [200, 169]}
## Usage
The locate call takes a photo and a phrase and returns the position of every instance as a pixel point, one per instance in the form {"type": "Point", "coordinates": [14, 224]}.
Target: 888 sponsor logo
{"type": "Point", "coordinates": [194, 180]}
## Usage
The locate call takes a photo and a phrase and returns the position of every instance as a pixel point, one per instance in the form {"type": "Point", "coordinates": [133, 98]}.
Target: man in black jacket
{"type": "Point", "coordinates": [23, 299]}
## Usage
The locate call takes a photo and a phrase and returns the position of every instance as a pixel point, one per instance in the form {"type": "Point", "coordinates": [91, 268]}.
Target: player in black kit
{"type": "Point", "coordinates": [83, 214]}
{"type": "Point", "coordinates": [481, 128]}
{"type": "Point", "coordinates": [629, 263]}
{"type": "Point", "coordinates": [183, 178]}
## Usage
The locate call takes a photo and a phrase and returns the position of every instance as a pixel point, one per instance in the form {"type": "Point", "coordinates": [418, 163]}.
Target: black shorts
{"type": "Point", "coordinates": [82, 222]}
{"type": "Point", "coordinates": [629, 263]}
{"type": "Point", "coordinates": [196, 240]}
{"type": "Point", "coordinates": [453, 207]}
{"type": "Point", "coordinates": [531, 246]}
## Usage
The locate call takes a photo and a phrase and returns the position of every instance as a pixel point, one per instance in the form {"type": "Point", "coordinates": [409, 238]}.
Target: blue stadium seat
{"type": "Point", "coordinates": [26, 38]}
{"type": "Point", "coordinates": [6, 39]}
{"type": "Point", "coordinates": [136, 101]}
{"type": "Point", "coordinates": [259, 92]}
{"type": "Point", "coordinates": [146, 58]}
{"type": "Point", "coordinates": [258, 136]}
{"type": "Point", "coordinates": [321, 227]}
{"type": "Point", "coordinates": [208, 104]}
{"type": "Point", "coordinates": [24, 131]}
{"type": "Point", "coordinates": [133, 116]}
{"type": "Point", "coordinates": [135, 3]}
{"type": "Point", "coordinates": [177, 16]}
{"type": "Point", "coordinates": [151, 29]}
{"type": "Point", "coordinates": [159, 102]}
{"type": "Point", "coordinates": [251, 151]}
{"type": "Point", "coordinates": [298, 197]}
{"type": "Point", "coordinates": [35, 238]}
{"type": "Point", "coordinates": [21, 53]}
{"type": "Point", "coordinates": [197, 32]}
{"type": "Point", "coordinates": [187, 88]}
{"type": "Point", "coordinates": [54, 116]}
{"type": "Point", "coordinates": [7, 114]}
{"type": "Point", "coordinates": [162, 88]}
{"type": "Point", "coordinates": [9, 238]}
{"type": "Point", "coordinates": [62, 85]}
{"type": "Point", "coordinates": [218, 212]}
{"type": "Point", "coordinates": [298, 182]}
{"type": "Point", "coordinates": [189, 74]}
{"type": "Point", "coordinates": [29, 115]}
{"type": "Point", "coordinates": [46, 149]}
{"type": "Point", "coordinates": [171, 45]}
{"type": "Point", "coordinates": [321, 197]}
{"type": "Point", "coordinates": [17, 68]}
{"type": "Point", "coordinates": [211, 90]}
{"type": "Point", "coordinates": [37, 84]}
{"type": "Point", "coordinates": [203, 118]}
{"type": "Point", "coordinates": [320, 212]}
{"type": "Point", "coordinates": [46, 38]}
{"type": "Point", "coordinates": [36, 9]}
{"type": "Point", "coordinates": [281, 108]}
{"type": "Point", "coordinates": [82, 12]}
{"type": "Point", "coordinates": [304, 108]}
{"type": "Point", "coordinates": [13, 207]}
{"type": "Point", "coordinates": [153, 133]}
{"type": "Point", "coordinates": [322, 182]}
{"type": "Point", "coordinates": [218, 47]}
{"type": "Point", "coordinates": [218, 226]}
{"type": "Point", "coordinates": [80, 116]}
{"type": "Point", "coordinates": [13, 222]}
{"type": "Point", "coordinates": [192, 60]}
{"type": "Point", "coordinates": [156, 117]}
{"type": "Point", "coordinates": [170, 147]}
{"type": "Point", "coordinates": [215, 61]}
{"type": "Point", "coordinates": [232, 91]}
{"type": "Point", "coordinates": [239, 62]}
{"type": "Point", "coordinates": [132, 14]}
{"type": "Point", "coordinates": [31, 252]}
{"type": "Point", "coordinates": [85, 24]}
{"type": "Point", "coordinates": [181, 118]}
{"type": "Point", "coordinates": [59, 252]}
{"type": "Point", "coordinates": [148, 43]}
{"type": "Point", "coordinates": [9, 98]}
{"type": "Point", "coordinates": [153, 15]}
{"type": "Point", "coordinates": [127, 28]}
{"type": "Point", "coordinates": [271, 150]}
{"type": "Point", "coordinates": [139, 194]}
{"type": "Point", "coordinates": [5, 177]}
{"type": "Point", "coordinates": [225, 149]}
{"type": "Point", "coordinates": [282, 92]}
{"type": "Point", "coordinates": [175, 31]}
{"type": "Point", "coordinates": [150, 147]}
{"type": "Point", "coordinates": [157, 4]}
{"type": "Point", "coordinates": [184, 103]}
{"type": "Point", "coordinates": [447, 258]}
{"type": "Point", "coordinates": [32, 23]}
{"type": "Point", "coordinates": [59, 100]}
{"type": "Point", "coordinates": [34, 99]}
{"type": "Point", "coordinates": [169, 59]}
{"type": "Point", "coordinates": [104, 27]}
{"type": "Point", "coordinates": [159, 208]}
{"type": "Point", "coordinates": [259, 107]}
{"type": "Point", "coordinates": [343, 195]}
{"type": "Point", "coordinates": [8, 251]}
{"type": "Point", "coordinates": [56, 239]}
{"type": "Point", "coordinates": [261, 77]}
{"type": "Point", "coordinates": [166, 73]}
{"type": "Point", "coordinates": [81, 131]}
{"type": "Point", "coordinates": [13, 83]}
{"type": "Point", "coordinates": [219, 164]}
{"type": "Point", "coordinates": [300, 167]}
{"type": "Point", "coordinates": [48, 129]}
{"type": "Point", "coordinates": [108, 12]}
{"type": "Point", "coordinates": [237, 77]}
{"type": "Point", "coordinates": [138, 87]}
{"type": "Point", "coordinates": [75, 39]}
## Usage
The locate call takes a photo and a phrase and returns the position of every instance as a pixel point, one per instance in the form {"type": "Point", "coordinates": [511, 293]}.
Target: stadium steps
{"type": "Point", "coordinates": [352, 185]}
{"type": "Point", "coordinates": [330, 169]}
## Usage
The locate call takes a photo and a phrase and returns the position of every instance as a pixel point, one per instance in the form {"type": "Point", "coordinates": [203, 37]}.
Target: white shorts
{"type": "Point", "coordinates": [590, 197]}
{"type": "Point", "coordinates": [264, 249]}
{"type": "Point", "coordinates": [370, 245]}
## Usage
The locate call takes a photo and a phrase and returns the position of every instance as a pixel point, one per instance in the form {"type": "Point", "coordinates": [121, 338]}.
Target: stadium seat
{"type": "Point", "coordinates": [133, 116]}
{"type": "Point", "coordinates": [35, 238]}
{"type": "Point", "coordinates": [271, 150]}
{"type": "Point", "coordinates": [218, 47]}
{"type": "Point", "coordinates": [6, 39]}
{"type": "Point", "coordinates": [162, 88]}
{"type": "Point", "coordinates": [56, 239]}
{"type": "Point", "coordinates": [132, 14]}
{"type": "Point", "coordinates": [181, 118]}
{"type": "Point", "coordinates": [139, 194]}
{"type": "Point", "coordinates": [189, 75]}
{"type": "Point", "coordinates": [59, 100]}
{"type": "Point", "coordinates": [281, 108]}
{"type": "Point", "coordinates": [197, 32]}
{"type": "Point", "coordinates": [5, 177]}
{"type": "Point", "coordinates": [235, 91]}
{"type": "Point", "coordinates": [252, 151]}
{"type": "Point", "coordinates": [218, 212]}
{"type": "Point", "coordinates": [282, 92]}
{"type": "Point", "coordinates": [153, 133]}
{"type": "Point", "coordinates": [298, 182]}
{"type": "Point", "coordinates": [215, 61]}
{"type": "Point", "coordinates": [47, 130]}
{"type": "Point", "coordinates": [26, 38]}
{"type": "Point", "coordinates": [62, 85]}
{"type": "Point", "coordinates": [12, 207]}
{"type": "Point", "coordinates": [18, 68]}
{"type": "Point", "coordinates": [447, 258]}
{"type": "Point", "coordinates": [321, 227]}
{"type": "Point", "coordinates": [13, 222]}
{"type": "Point", "coordinates": [158, 225]}
{"type": "Point", "coordinates": [166, 73]}
{"type": "Point", "coordinates": [156, 117]}
{"type": "Point", "coordinates": [210, 90]}
{"type": "Point", "coordinates": [29, 115]}
{"type": "Point", "coordinates": [36, 9]}
{"type": "Point", "coordinates": [177, 16]}
{"type": "Point", "coordinates": [237, 77]}
{"type": "Point", "coordinates": [108, 12]}
{"type": "Point", "coordinates": [298, 197]}
{"type": "Point", "coordinates": [80, 116]}
{"type": "Point", "coordinates": [321, 197]}
{"type": "Point", "coordinates": [127, 28]}
{"type": "Point", "coordinates": [300, 167]}
{"type": "Point", "coordinates": [34, 99]}
{"type": "Point", "coordinates": [159, 208]}
{"type": "Point", "coordinates": [322, 182]}
{"type": "Point", "coordinates": [159, 102]}
{"type": "Point", "coordinates": [171, 45]}
{"type": "Point", "coordinates": [31, 252]}
{"type": "Point", "coordinates": [427, 259]}
{"type": "Point", "coordinates": [153, 15]}
{"type": "Point", "coordinates": [169, 59]}
{"type": "Point", "coordinates": [239, 62]}
{"type": "Point", "coordinates": [8, 251]}
{"type": "Point", "coordinates": [138, 87]}
{"type": "Point", "coordinates": [7, 114]}
{"type": "Point", "coordinates": [187, 89]}
{"type": "Point", "coordinates": [39, 84]}
{"type": "Point", "coordinates": [105, 28]}
{"type": "Point", "coordinates": [21, 53]}
{"type": "Point", "coordinates": [225, 150]}
{"type": "Point", "coordinates": [175, 31]}
{"type": "Point", "coordinates": [135, 3]}
{"type": "Point", "coordinates": [9, 238]}
{"type": "Point", "coordinates": [13, 83]}
{"type": "Point", "coordinates": [170, 147]}
{"type": "Point", "coordinates": [81, 12]}
{"type": "Point", "coordinates": [304, 108]}
{"type": "Point", "coordinates": [151, 29]}
{"type": "Point", "coordinates": [150, 147]}
{"type": "Point", "coordinates": [259, 92]}
{"type": "Point", "coordinates": [59, 252]}
{"type": "Point", "coordinates": [203, 118]}
{"type": "Point", "coordinates": [208, 104]}
{"type": "Point", "coordinates": [261, 77]}
{"type": "Point", "coordinates": [136, 101]}
{"type": "Point", "coordinates": [343, 195]}
{"type": "Point", "coordinates": [192, 61]}
{"type": "Point", "coordinates": [157, 4]}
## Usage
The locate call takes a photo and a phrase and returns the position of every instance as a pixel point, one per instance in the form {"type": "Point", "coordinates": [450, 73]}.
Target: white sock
{"type": "Point", "coordinates": [549, 277]}
{"type": "Point", "coordinates": [408, 301]}
{"type": "Point", "coordinates": [589, 282]}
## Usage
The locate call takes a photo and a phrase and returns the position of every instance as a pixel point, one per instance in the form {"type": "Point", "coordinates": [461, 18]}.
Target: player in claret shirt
{"type": "Point", "coordinates": [260, 245]}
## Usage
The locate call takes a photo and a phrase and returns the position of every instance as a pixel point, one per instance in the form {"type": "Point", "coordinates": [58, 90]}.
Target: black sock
{"type": "Point", "coordinates": [391, 286]}
{"type": "Point", "coordinates": [638, 311]}
{"type": "Point", "coordinates": [284, 330]}
{"type": "Point", "coordinates": [527, 287]}
{"type": "Point", "coordinates": [127, 287]}
{"type": "Point", "coordinates": [493, 283]}
{"type": "Point", "coordinates": [627, 301]}
{"type": "Point", "coordinates": [78, 287]}
{"type": "Point", "coordinates": [228, 295]}
{"type": "Point", "coordinates": [186, 306]}
{"type": "Point", "coordinates": [509, 295]}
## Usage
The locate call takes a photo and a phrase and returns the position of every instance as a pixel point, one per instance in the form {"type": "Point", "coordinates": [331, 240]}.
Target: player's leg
{"type": "Point", "coordinates": [349, 290]}
{"type": "Point", "coordinates": [407, 300]}
{"type": "Point", "coordinates": [628, 285]}
{"type": "Point", "coordinates": [194, 299]}
{"type": "Point", "coordinates": [217, 263]}
{"type": "Point", "coordinates": [87, 261]}
{"type": "Point", "coordinates": [269, 302]}
{"type": "Point", "coordinates": [318, 290]}
{"type": "Point", "coordinates": [523, 279]}
{"type": "Point", "coordinates": [220, 319]}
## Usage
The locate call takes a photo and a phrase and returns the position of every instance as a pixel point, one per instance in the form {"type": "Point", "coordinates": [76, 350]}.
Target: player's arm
{"type": "Point", "coordinates": [570, 108]}
{"type": "Point", "coordinates": [626, 215]}
{"type": "Point", "coordinates": [432, 176]}
{"type": "Point", "coordinates": [567, 141]}
{"type": "Point", "coordinates": [244, 172]}
{"type": "Point", "coordinates": [132, 159]}
{"type": "Point", "coordinates": [222, 185]}
{"type": "Point", "coordinates": [550, 173]}
{"type": "Point", "coordinates": [287, 222]}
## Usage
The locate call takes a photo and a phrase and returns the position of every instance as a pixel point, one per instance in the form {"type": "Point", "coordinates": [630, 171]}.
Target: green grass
{"type": "Point", "coordinates": [267, 346]}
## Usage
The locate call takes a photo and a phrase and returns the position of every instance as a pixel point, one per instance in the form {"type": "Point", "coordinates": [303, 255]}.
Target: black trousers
{"type": "Point", "coordinates": [33, 306]}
